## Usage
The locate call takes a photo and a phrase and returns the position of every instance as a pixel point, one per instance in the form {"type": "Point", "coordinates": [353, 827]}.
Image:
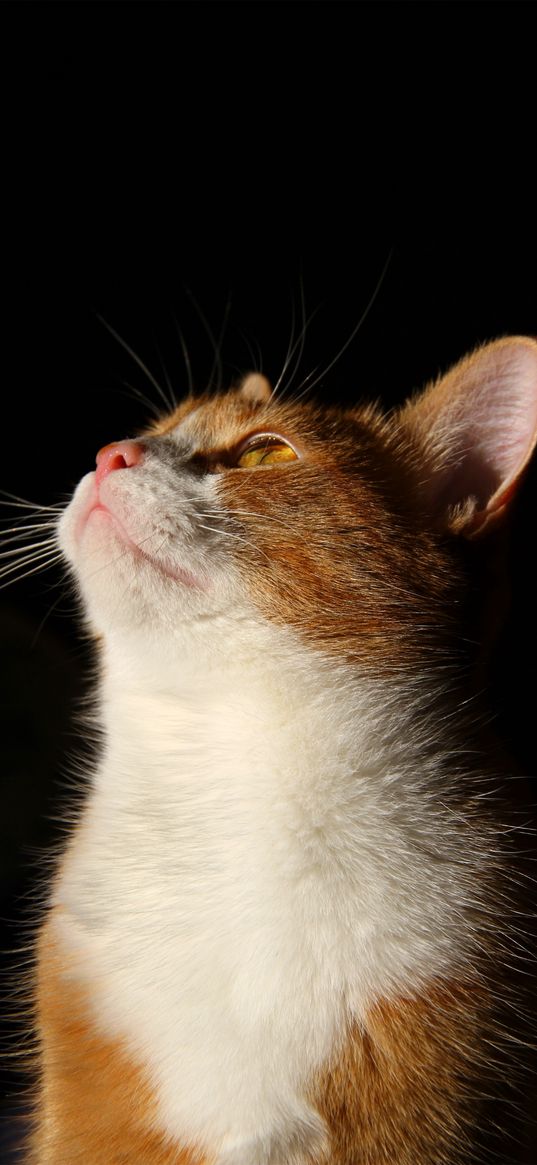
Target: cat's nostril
{"type": "Point", "coordinates": [118, 455]}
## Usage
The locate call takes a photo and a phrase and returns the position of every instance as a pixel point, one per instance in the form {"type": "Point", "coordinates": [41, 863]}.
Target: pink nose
{"type": "Point", "coordinates": [118, 455]}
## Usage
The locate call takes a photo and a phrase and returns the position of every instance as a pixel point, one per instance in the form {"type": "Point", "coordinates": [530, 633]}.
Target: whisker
{"type": "Point", "coordinates": [46, 616]}
{"type": "Point", "coordinates": [149, 404]}
{"type": "Point", "coordinates": [17, 551]}
{"type": "Point", "coordinates": [302, 336]}
{"type": "Point", "coordinates": [361, 321]}
{"type": "Point", "coordinates": [220, 342]}
{"type": "Point", "coordinates": [255, 356]}
{"type": "Point", "coordinates": [236, 537]}
{"type": "Point", "coordinates": [171, 394]}
{"type": "Point", "coordinates": [136, 359]}
{"type": "Point", "coordinates": [27, 529]}
{"type": "Point", "coordinates": [20, 536]}
{"type": "Point", "coordinates": [25, 560]}
{"type": "Point", "coordinates": [298, 345]}
{"type": "Point", "coordinates": [217, 359]}
{"type": "Point", "coordinates": [252, 514]}
{"type": "Point", "coordinates": [27, 573]}
{"type": "Point", "coordinates": [29, 545]}
{"type": "Point", "coordinates": [288, 354]}
{"type": "Point", "coordinates": [186, 357]}
{"type": "Point", "coordinates": [24, 504]}
{"type": "Point", "coordinates": [304, 388]}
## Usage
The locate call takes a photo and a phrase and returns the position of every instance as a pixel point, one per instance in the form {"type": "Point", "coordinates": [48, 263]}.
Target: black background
{"type": "Point", "coordinates": [226, 171]}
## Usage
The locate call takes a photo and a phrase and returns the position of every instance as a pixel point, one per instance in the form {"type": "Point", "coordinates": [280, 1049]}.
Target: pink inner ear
{"type": "Point", "coordinates": [477, 428]}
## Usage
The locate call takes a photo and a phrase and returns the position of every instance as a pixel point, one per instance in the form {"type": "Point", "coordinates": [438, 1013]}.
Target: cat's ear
{"type": "Point", "coordinates": [474, 432]}
{"type": "Point", "coordinates": [255, 389]}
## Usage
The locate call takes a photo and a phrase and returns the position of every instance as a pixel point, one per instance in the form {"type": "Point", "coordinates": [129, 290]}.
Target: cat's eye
{"type": "Point", "coordinates": [265, 449]}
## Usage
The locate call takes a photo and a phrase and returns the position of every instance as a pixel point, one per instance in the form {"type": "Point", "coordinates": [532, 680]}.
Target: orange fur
{"type": "Point", "coordinates": [363, 604]}
{"type": "Point", "coordinates": [368, 576]}
{"type": "Point", "coordinates": [397, 1092]}
{"type": "Point", "coordinates": [95, 1106]}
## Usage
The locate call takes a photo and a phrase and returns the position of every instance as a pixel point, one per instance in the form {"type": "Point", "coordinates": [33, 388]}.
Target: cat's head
{"type": "Point", "coordinates": [337, 523]}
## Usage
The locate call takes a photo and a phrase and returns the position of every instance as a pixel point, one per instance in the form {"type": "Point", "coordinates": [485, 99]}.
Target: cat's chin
{"type": "Point", "coordinates": [110, 562]}
{"type": "Point", "coordinates": [125, 592]}
{"type": "Point", "coordinates": [109, 529]}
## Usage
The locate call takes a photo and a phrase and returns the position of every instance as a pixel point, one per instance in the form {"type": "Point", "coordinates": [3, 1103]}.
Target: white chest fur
{"type": "Point", "coordinates": [250, 871]}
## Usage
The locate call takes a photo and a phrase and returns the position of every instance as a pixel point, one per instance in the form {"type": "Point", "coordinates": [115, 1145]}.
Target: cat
{"type": "Point", "coordinates": [282, 930]}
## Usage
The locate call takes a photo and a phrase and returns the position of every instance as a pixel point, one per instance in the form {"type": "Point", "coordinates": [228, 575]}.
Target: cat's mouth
{"type": "Point", "coordinates": [97, 511]}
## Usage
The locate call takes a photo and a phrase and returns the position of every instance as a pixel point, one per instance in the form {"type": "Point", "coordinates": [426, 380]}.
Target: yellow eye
{"type": "Point", "coordinates": [266, 450]}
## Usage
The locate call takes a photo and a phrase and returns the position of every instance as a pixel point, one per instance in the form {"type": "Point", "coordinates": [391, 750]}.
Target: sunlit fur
{"type": "Point", "coordinates": [279, 929]}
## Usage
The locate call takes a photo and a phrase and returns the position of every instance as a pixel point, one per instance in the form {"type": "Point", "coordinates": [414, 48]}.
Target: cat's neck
{"type": "Point", "coordinates": [237, 708]}
{"type": "Point", "coordinates": [242, 750]}
{"type": "Point", "coordinates": [257, 702]}
{"type": "Point", "coordinates": [250, 811]}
